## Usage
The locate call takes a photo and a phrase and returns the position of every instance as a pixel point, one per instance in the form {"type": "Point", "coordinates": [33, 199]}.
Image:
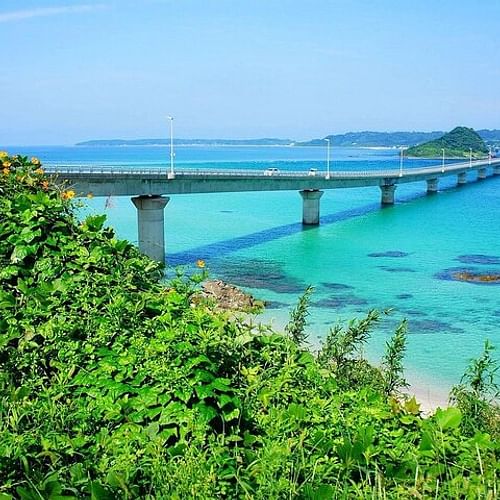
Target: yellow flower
{"type": "Point", "coordinates": [3, 154]}
{"type": "Point", "coordinates": [45, 185]}
{"type": "Point", "coordinates": [6, 171]}
{"type": "Point", "coordinates": [90, 196]}
{"type": "Point", "coordinates": [35, 161]}
{"type": "Point", "coordinates": [7, 164]}
{"type": "Point", "coordinates": [39, 171]}
{"type": "Point", "coordinates": [67, 195]}
{"type": "Point", "coordinates": [200, 263]}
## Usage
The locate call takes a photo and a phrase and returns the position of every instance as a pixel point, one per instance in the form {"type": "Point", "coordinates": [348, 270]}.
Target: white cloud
{"type": "Point", "coordinates": [19, 15]}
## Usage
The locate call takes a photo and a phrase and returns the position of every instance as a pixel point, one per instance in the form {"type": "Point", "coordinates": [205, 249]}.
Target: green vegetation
{"type": "Point", "coordinates": [114, 384]}
{"type": "Point", "coordinates": [456, 144]}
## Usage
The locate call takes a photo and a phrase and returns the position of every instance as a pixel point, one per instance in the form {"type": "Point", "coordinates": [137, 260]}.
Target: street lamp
{"type": "Point", "coordinates": [442, 164]}
{"type": "Point", "coordinates": [327, 158]}
{"type": "Point", "coordinates": [470, 157]}
{"type": "Point", "coordinates": [401, 161]}
{"type": "Point", "coordinates": [171, 174]}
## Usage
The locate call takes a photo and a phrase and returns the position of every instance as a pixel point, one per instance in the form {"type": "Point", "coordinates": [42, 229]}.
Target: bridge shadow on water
{"type": "Point", "coordinates": [220, 248]}
{"type": "Point", "coordinates": [225, 247]}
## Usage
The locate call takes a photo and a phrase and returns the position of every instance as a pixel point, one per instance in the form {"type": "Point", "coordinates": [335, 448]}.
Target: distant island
{"type": "Point", "coordinates": [189, 142]}
{"type": "Point", "coordinates": [392, 139]}
{"type": "Point", "coordinates": [375, 139]}
{"type": "Point", "coordinates": [349, 139]}
{"type": "Point", "coordinates": [458, 143]}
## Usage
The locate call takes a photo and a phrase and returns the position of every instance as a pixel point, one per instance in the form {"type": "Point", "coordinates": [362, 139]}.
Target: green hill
{"type": "Point", "coordinates": [456, 144]}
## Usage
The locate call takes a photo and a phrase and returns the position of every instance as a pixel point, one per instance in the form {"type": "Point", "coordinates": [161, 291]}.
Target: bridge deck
{"type": "Point", "coordinates": [129, 181]}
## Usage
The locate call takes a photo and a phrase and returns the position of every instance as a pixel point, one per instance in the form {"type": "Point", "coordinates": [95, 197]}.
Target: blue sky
{"type": "Point", "coordinates": [83, 69]}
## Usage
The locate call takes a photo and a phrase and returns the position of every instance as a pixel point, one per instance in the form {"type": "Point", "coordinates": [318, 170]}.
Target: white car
{"type": "Point", "coordinates": [313, 172]}
{"type": "Point", "coordinates": [271, 171]}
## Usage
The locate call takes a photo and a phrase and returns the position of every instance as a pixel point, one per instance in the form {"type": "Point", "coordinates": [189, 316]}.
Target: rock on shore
{"type": "Point", "coordinates": [229, 297]}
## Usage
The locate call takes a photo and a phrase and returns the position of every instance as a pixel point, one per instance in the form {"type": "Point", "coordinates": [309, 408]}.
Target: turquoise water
{"type": "Point", "coordinates": [360, 257]}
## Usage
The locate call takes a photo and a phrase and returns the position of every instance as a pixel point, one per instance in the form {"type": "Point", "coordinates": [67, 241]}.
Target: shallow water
{"type": "Point", "coordinates": [360, 257]}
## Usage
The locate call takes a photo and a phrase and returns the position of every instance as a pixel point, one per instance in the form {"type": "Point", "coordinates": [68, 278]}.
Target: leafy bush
{"type": "Point", "coordinates": [298, 318]}
{"type": "Point", "coordinates": [477, 394]}
{"type": "Point", "coordinates": [114, 384]}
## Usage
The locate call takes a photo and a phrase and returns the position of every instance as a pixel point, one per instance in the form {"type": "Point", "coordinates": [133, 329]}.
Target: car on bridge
{"type": "Point", "coordinates": [312, 172]}
{"type": "Point", "coordinates": [272, 171]}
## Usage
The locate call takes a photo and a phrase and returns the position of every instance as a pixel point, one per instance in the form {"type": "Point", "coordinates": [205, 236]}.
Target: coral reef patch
{"type": "Point", "coordinates": [478, 277]}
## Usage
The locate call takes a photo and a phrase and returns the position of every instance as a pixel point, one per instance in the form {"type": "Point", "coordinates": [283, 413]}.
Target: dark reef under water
{"type": "Point", "coordinates": [479, 259]}
{"type": "Point", "coordinates": [390, 269]}
{"type": "Point", "coordinates": [390, 253]}
{"type": "Point", "coordinates": [336, 286]}
{"type": "Point", "coordinates": [340, 302]}
{"type": "Point", "coordinates": [259, 274]}
{"type": "Point", "coordinates": [427, 326]}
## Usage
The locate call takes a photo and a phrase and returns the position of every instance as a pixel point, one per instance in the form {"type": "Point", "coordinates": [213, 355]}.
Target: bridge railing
{"type": "Point", "coordinates": [161, 172]}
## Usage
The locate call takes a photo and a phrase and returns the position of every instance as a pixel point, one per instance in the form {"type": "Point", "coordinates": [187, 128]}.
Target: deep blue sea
{"type": "Point", "coordinates": [360, 257]}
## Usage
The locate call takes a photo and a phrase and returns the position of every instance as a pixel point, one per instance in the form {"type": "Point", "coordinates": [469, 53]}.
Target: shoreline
{"type": "Point", "coordinates": [430, 397]}
{"type": "Point", "coordinates": [430, 394]}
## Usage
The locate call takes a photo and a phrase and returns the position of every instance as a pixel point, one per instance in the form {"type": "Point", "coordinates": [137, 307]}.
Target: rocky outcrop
{"type": "Point", "coordinates": [229, 297]}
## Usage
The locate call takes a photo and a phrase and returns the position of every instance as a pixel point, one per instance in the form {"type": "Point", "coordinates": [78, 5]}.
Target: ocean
{"type": "Point", "coordinates": [361, 256]}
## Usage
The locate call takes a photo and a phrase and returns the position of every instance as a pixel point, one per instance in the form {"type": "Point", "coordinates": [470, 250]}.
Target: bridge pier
{"type": "Point", "coordinates": [496, 170]}
{"type": "Point", "coordinates": [150, 222]}
{"type": "Point", "coordinates": [432, 186]}
{"type": "Point", "coordinates": [310, 206]}
{"type": "Point", "coordinates": [481, 173]}
{"type": "Point", "coordinates": [462, 178]}
{"type": "Point", "coordinates": [387, 194]}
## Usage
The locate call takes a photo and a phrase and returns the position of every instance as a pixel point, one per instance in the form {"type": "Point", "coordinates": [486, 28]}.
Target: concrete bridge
{"type": "Point", "coordinates": [148, 187]}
